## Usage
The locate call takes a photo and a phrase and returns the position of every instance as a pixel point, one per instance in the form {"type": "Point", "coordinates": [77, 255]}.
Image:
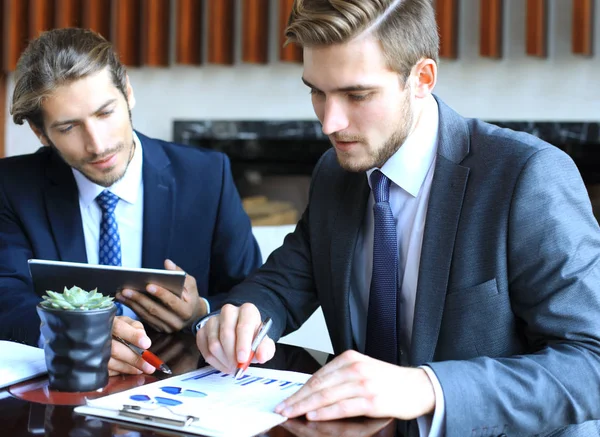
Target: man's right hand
{"type": "Point", "coordinates": [226, 339]}
{"type": "Point", "coordinates": [123, 359]}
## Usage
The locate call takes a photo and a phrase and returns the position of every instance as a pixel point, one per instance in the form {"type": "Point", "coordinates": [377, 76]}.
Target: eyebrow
{"type": "Point", "coordinates": [64, 122]}
{"type": "Point", "coordinates": [344, 89]}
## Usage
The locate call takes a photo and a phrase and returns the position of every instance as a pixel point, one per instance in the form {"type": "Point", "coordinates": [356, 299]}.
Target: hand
{"type": "Point", "coordinates": [225, 340]}
{"type": "Point", "coordinates": [123, 359]}
{"type": "Point", "coordinates": [171, 313]}
{"type": "Point", "coordinates": [354, 384]}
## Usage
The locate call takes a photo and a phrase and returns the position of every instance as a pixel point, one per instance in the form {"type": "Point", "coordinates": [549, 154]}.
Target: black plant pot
{"type": "Point", "coordinates": [77, 347]}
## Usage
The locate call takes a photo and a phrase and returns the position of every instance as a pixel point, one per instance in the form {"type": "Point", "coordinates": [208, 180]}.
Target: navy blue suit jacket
{"type": "Point", "coordinates": [192, 215]}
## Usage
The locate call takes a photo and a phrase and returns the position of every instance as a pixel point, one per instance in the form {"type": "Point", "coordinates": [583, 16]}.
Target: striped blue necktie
{"type": "Point", "coordinates": [109, 253]}
{"type": "Point", "coordinates": [381, 339]}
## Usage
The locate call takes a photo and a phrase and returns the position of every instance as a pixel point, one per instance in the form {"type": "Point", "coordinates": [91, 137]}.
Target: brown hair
{"type": "Point", "coordinates": [58, 57]}
{"type": "Point", "coordinates": [406, 29]}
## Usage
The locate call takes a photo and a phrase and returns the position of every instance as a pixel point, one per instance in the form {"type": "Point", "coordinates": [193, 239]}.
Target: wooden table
{"type": "Point", "coordinates": [30, 408]}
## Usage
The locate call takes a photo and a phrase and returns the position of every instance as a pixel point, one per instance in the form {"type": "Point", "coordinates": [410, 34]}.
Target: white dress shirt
{"type": "Point", "coordinates": [129, 213]}
{"type": "Point", "coordinates": [410, 170]}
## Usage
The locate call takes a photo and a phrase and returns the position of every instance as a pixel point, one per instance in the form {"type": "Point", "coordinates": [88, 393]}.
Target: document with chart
{"type": "Point", "coordinates": [205, 401]}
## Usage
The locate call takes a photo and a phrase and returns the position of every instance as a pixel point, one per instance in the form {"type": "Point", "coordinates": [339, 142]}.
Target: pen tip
{"type": "Point", "coordinates": [238, 373]}
{"type": "Point", "coordinates": [165, 369]}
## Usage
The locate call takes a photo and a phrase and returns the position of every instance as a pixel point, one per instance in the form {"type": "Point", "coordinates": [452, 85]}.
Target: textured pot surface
{"type": "Point", "coordinates": [77, 347]}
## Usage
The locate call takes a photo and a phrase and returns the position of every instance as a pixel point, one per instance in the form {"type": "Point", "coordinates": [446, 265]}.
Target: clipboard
{"type": "Point", "coordinates": [203, 402]}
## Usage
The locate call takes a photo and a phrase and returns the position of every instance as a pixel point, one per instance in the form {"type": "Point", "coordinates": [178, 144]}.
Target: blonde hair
{"type": "Point", "coordinates": [406, 29]}
{"type": "Point", "coordinates": [58, 57]}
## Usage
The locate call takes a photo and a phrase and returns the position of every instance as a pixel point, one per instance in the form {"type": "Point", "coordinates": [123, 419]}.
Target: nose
{"type": "Point", "coordinates": [93, 139]}
{"type": "Point", "coordinates": [334, 117]}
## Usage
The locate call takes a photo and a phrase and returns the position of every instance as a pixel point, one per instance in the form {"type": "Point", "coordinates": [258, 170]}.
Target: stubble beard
{"type": "Point", "coordinates": [108, 176]}
{"type": "Point", "coordinates": [379, 156]}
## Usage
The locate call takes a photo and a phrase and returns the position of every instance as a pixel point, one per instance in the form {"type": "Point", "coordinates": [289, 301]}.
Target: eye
{"type": "Point", "coordinates": [106, 113]}
{"type": "Point", "coordinates": [66, 129]}
{"type": "Point", "coordinates": [359, 97]}
{"type": "Point", "coordinates": [314, 92]}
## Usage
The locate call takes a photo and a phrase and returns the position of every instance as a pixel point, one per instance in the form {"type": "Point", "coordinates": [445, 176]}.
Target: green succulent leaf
{"type": "Point", "coordinates": [75, 298]}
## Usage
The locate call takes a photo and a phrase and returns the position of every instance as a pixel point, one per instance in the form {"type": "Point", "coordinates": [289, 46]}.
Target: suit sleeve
{"type": "Point", "coordinates": [18, 317]}
{"type": "Point", "coordinates": [554, 283]}
{"type": "Point", "coordinates": [284, 287]}
{"type": "Point", "coordinates": [234, 253]}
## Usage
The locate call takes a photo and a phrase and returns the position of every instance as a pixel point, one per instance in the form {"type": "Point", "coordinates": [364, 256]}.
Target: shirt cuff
{"type": "Point", "coordinates": [433, 426]}
{"type": "Point", "coordinates": [202, 321]}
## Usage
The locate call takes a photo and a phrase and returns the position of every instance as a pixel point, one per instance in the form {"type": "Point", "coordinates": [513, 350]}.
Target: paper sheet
{"type": "Point", "coordinates": [224, 406]}
{"type": "Point", "coordinates": [19, 362]}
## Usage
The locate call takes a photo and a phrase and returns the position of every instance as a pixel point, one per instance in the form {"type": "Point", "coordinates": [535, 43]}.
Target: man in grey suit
{"type": "Point", "coordinates": [492, 325]}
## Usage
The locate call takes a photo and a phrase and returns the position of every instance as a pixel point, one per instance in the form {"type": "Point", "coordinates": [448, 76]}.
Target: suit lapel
{"type": "Point", "coordinates": [346, 227]}
{"type": "Point", "coordinates": [444, 209]}
{"type": "Point", "coordinates": [64, 216]}
{"type": "Point", "coordinates": [159, 203]}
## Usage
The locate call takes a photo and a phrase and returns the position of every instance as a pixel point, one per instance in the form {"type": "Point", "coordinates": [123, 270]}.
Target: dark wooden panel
{"type": "Point", "coordinates": [291, 52]}
{"type": "Point", "coordinates": [446, 12]}
{"type": "Point", "coordinates": [41, 16]}
{"type": "Point", "coordinates": [67, 13]}
{"type": "Point", "coordinates": [583, 16]}
{"type": "Point", "coordinates": [188, 32]}
{"type": "Point", "coordinates": [255, 31]}
{"type": "Point", "coordinates": [220, 31]}
{"type": "Point", "coordinates": [490, 42]}
{"type": "Point", "coordinates": [95, 15]}
{"type": "Point", "coordinates": [15, 14]}
{"type": "Point", "coordinates": [537, 28]}
{"type": "Point", "coordinates": [125, 30]}
{"type": "Point", "coordinates": [155, 32]}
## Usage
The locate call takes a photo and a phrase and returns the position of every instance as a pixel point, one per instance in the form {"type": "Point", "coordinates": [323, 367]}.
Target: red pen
{"type": "Point", "coordinates": [146, 355]}
{"type": "Point", "coordinates": [262, 333]}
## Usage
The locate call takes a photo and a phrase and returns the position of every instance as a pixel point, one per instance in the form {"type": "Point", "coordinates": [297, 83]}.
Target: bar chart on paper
{"type": "Point", "coordinates": [205, 401]}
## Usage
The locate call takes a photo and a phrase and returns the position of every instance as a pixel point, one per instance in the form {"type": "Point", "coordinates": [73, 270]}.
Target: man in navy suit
{"type": "Point", "coordinates": [176, 206]}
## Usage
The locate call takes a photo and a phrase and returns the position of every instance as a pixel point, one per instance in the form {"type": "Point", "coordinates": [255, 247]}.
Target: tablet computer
{"type": "Point", "coordinates": [56, 275]}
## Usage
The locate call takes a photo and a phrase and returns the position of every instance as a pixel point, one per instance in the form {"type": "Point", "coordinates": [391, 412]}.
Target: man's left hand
{"type": "Point", "coordinates": [354, 384]}
{"type": "Point", "coordinates": [171, 313]}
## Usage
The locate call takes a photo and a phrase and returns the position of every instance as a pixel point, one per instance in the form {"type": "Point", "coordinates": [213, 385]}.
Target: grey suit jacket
{"type": "Point", "coordinates": [508, 301]}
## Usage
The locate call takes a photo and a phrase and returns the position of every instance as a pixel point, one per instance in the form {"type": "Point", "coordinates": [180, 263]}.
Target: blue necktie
{"type": "Point", "coordinates": [109, 253]}
{"type": "Point", "coordinates": [381, 339]}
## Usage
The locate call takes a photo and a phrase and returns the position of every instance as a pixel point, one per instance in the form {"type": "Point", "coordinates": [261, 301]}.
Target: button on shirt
{"type": "Point", "coordinates": [411, 171]}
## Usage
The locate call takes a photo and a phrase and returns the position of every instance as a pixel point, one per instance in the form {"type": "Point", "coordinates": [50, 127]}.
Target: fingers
{"type": "Point", "coordinates": [131, 331]}
{"type": "Point", "coordinates": [209, 345]}
{"type": "Point", "coordinates": [226, 340]}
{"type": "Point", "coordinates": [248, 323]}
{"type": "Point", "coordinates": [124, 360]}
{"type": "Point", "coordinates": [166, 311]}
{"type": "Point", "coordinates": [151, 311]}
{"type": "Point", "coordinates": [335, 391]}
{"type": "Point", "coordinates": [193, 307]}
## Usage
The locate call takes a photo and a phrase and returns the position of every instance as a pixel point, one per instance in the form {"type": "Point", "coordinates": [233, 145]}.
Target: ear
{"type": "Point", "coordinates": [425, 77]}
{"type": "Point", "coordinates": [129, 92]}
{"type": "Point", "coordinates": [39, 133]}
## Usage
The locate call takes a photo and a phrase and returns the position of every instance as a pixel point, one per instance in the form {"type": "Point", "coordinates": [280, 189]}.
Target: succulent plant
{"type": "Point", "coordinates": [76, 299]}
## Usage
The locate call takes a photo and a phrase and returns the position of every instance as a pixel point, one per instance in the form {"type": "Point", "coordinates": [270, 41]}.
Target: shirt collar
{"type": "Point", "coordinates": [408, 167]}
{"type": "Point", "coordinates": [127, 188]}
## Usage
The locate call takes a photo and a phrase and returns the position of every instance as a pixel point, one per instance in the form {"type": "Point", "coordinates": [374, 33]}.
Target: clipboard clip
{"type": "Point", "coordinates": [137, 412]}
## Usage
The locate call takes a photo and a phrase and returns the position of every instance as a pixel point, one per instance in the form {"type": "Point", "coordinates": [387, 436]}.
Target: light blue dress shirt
{"type": "Point", "coordinates": [411, 171]}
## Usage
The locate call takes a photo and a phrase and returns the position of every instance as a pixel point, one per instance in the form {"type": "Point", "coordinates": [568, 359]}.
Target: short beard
{"type": "Point", "coordinates": [110, 179]}
{"type": "Point", "coordinates": [377, 158]}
